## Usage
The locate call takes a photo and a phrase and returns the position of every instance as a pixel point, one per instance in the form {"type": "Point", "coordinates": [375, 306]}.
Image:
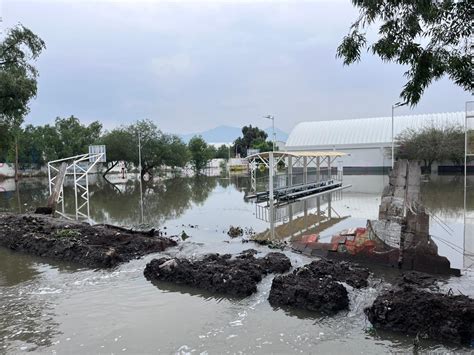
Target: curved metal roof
{"type": "Point", "coordinates": [364, 131]}
{"type": "Point", "coordinates": [310, 154]}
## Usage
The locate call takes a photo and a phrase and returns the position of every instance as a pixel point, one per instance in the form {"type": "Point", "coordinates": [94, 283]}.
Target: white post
{"type": "Point", "coordinates": [318, 169]}
{"type": "Point", "coordinates": [270, 197]}
{"type": "Point", "coordinates": [305, 170]}
{"type": "Point", "coordinates": [139, 156]}
{"type": "Point", "coordinates": [75, 189]}
{"type": "Point", "coordinates": [290, 171]}
{"type": "Point", "coordinates": [273, 129]}
{"type": "Point", "coordinates": [329, 168]}
{"type": "Point", "coordinates": [393, 143]}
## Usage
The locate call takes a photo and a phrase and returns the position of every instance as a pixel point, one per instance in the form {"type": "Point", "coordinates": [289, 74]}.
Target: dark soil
{"type": "Point", "coordinates": [413, 311]}
{"type": "Point", "coordinates": [224, 274]}
{"type": "Point", "coordinates": [235, 232]}
{"type": "Point", "coordinates": [101, 246]}
{"type": "Point", "coordinates": [315, 286]}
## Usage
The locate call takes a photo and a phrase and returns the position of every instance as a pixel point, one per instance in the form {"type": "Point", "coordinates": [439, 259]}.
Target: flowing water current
{"type": "Point", "coordinates": [52, 307]}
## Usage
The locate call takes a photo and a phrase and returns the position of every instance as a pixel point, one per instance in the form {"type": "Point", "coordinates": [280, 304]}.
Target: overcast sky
{"type": "Point", "coordinates": [190, 66]}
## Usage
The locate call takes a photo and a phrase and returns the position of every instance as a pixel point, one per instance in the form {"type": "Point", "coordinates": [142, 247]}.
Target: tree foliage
{"type": "Point", "coordinates": [200, 152]}
{"type": "Point", "coordinates": [40, 144]}
{"type": "Point", "coordinates": [252, 137]}
{"type": "Point", "coordinates": [75, 137]}
{"type": "Point", "coordinates": [432, 144]}
{"type": "Point", "coordinates": [432, 38]}
{"type": "Point", "coordinates": [18, 76]}
{"type": "Point", "coordinates": [222, 152]}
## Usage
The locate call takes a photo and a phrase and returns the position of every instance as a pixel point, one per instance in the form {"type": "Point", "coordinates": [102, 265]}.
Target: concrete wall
{"type": "Point", "coordinates": [7, 170]}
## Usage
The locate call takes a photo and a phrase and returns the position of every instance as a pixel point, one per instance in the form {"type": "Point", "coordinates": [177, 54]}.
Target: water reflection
{"type": "Point", "coordinates": [310, 216]}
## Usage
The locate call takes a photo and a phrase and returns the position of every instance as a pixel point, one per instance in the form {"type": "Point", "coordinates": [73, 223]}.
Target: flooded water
{"type": "Point", "coordinates": [47, 306]}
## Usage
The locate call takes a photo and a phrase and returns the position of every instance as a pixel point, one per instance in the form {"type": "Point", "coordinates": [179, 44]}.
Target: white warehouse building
{"type": "Point", "coordinates": [366, 141]}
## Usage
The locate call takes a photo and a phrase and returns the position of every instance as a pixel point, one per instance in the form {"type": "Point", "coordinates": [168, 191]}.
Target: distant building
{"type": "Point", "coordinates": [366, 141]}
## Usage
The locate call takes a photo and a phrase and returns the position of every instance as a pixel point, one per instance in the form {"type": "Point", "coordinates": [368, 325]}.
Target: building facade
{"type": "Point", "coordinates": [366, 141]}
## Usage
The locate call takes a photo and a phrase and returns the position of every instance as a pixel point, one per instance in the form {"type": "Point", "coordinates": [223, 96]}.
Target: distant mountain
{"type": "Point", "coordinates": [220, 134]}
{"type": "Point", "coordinates": [279, 134]}
{"type": "Point", "coordinates": [227, 134]}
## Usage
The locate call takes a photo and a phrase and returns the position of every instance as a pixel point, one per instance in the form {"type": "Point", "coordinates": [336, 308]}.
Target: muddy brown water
{"type": "Point", "coordinates": [48, 307]}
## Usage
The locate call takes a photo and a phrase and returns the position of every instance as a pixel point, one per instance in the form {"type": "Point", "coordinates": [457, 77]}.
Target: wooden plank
{"type": "Point", "coordinates": [53, 199]}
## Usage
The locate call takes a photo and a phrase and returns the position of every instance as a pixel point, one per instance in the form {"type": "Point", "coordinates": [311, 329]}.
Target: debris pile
{"type": "Point", "coordinates": [224, 274]}
{"type": "Point", "coordinates": [101, 246]}
{"type": "Point", "coordinates": [398, 238]}
{"type": "Point", "coordinates": [317, 287]}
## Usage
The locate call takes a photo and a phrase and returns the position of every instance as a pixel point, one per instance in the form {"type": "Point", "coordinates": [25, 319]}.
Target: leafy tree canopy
{"type": "Point", "coordinates": [432, 144]}
{"type": "Point", "coordinates": [200, 152]}
{"type": "Point", "coordinates": [222, 152]}
{"type": "Point", "coordinates": [431, 37]}
{"type": "Point", "coordinates": [252, 137]}
{"type": "Point", "coordinates": [18, 76]}
{"type": "Point", "coordinates": [76, 137]}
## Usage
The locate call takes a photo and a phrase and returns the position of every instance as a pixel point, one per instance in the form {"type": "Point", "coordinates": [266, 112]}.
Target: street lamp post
{"type": "Point", "coordinates": [139, 154]}
{"type": "Point", "coordinates": [273, 128]}
{"type": "Point", "coordinates": [394, 106]}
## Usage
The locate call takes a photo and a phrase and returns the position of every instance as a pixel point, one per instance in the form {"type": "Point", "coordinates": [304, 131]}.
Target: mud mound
{"type": "Point", "coordinates": [302, 289]}
{"type": "Point", "coordinates": [343, 271]}
{"type": "Point", "coordinates": [218, 273]}
{"type": "Point", "coordinates": [434, 315]}
{"type": "Point", "coordinates": [314, 286]}
{"type": "Point", "coordinates": [94, 246]}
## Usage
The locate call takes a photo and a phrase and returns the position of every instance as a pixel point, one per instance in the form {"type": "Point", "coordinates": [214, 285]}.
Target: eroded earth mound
{"type": "Point", "coordinates": [438, 316]}
{"type": "Point", "coordinates": [224, 274]}
{"type": "Point", "coordinates": [317, 287]}
{"type": "Point", "coordinates": [101, 246]}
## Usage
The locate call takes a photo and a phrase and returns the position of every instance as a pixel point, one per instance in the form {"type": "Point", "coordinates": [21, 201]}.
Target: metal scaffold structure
{"type": "Point", "coordinates": [307, 174]}
{"type": "Point", "coordinates": [78, 167]}
{"type": "Point", "coordinates": [468, 187]}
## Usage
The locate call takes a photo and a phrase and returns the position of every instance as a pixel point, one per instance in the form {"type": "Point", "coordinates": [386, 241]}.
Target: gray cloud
{"type": "Point", "coordinates": [191, 66]}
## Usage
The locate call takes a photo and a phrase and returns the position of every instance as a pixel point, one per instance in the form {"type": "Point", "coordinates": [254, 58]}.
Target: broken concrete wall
{"type": "Point", "coordinates": [403, 222]}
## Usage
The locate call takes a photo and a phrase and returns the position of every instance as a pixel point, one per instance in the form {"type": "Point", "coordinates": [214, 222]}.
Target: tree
{"type": "Point", "coordinates": [17, 75]}
{"type": "Point", "coordinates": [17, 80]}
{"type": "Point", "coordinates": [119, 145]}
{"type": "Point", "coordinates": [200, 153]}
{"type": "Point", "coordinates": [430, 37]}
{"type": "Point", "coordinates": [252, 137]}
{"type": "Point", "coordinates": [153, 145]}
{"type": "Point", "coordinates": [222, 152]}
{"type": "Point", "coordinates": [432, 144]}
{"type": "Point", "coordinates": [177, 153]}
{"type": "Point", "coordinates": [75, 137]}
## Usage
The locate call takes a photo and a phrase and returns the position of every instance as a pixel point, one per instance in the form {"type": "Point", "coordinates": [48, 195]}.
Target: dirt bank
{"type": "Point", "coordinates": [315, 286]}
{"type": "Point", "coordinates": [409, 310]}
{"type": "Point", "coordinates": [224, 274]}
{"type": "Point", "coordinates": [94, 246]}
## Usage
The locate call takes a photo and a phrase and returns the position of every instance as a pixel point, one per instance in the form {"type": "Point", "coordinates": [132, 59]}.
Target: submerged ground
{"type": "Point", "coordinates": [49, 306]}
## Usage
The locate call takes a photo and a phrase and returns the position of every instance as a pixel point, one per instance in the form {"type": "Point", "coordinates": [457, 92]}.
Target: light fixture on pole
{"type": "Point", "coordinates": [273, 128]}
{"type": "Point", "coordinates": [394, 106]}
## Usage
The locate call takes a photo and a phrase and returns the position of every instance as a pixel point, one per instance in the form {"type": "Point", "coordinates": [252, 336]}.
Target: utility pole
{"type": "Point", "coordinates": [394, 106]}
{"type": "Point", "coordinates": [139, 156]}
{"type": "Point", "coordinates": [273, 129]}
